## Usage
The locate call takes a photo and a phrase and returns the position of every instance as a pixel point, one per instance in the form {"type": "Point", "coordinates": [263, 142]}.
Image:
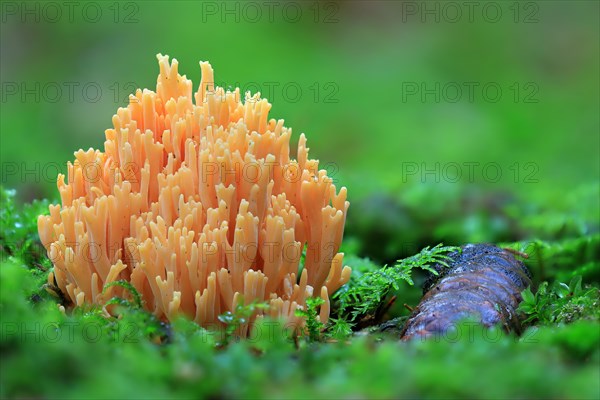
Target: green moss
{"type": "Point", "coordinates": [561, 303]}
{"type": "Point", "coordinates": [83, 354]}
{"type": "Point", "coordinates": [370, 286]}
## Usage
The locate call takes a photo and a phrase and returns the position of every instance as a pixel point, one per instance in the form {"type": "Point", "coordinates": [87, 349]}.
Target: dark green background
{"type": "Point", "coordinates": [359, 54]}
{"type": "Point", "coordinates": [421, 168]}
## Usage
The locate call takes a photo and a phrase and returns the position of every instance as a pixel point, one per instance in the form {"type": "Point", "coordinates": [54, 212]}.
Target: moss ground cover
{"type": "Point", "coordinates": [48, 354]}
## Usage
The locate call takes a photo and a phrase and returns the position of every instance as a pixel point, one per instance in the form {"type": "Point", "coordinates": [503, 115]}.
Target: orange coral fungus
{"type": "Point", "coordinates": [196, 201]}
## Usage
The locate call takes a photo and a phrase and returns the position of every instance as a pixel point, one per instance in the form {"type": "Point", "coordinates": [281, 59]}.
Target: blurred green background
{"type": "Point", "coordinates": [381, 88]}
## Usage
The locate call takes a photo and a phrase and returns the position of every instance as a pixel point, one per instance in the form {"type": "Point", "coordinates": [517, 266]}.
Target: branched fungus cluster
{"type": "Point", "coordinates": [196, 202]}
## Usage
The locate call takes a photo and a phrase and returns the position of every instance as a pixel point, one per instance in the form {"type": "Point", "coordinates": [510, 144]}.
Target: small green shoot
{"type": "Point", "coordinates": [560, 303]}
{"type": "Point", "coordinates": [240, 316]}
{"type": "Point", "coordinates": [137, 298]}
{"type": "Point", "coordinates": [314, 327]}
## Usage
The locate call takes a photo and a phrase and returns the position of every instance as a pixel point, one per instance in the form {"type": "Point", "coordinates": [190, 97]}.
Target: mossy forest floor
{"type": "Point", "coordinates": [46, 354]}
